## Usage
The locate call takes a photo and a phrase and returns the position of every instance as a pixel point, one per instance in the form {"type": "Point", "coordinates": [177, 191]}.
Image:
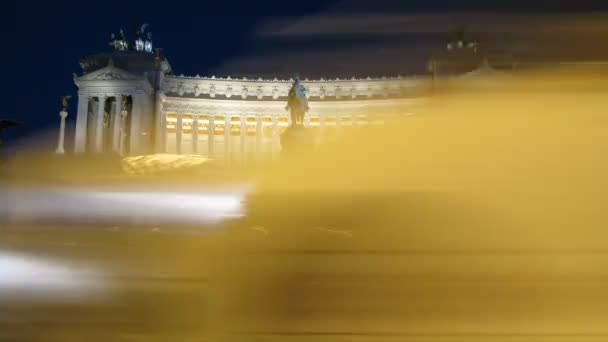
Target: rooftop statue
{"type": "Point", "coordinates": [119, 42]}
{"type": "Point", "coordinates": [64, 102]}
{"type": "Point", "coordinates": [139, 43]}
{"type": "Point", "coordinates": [297, 103]}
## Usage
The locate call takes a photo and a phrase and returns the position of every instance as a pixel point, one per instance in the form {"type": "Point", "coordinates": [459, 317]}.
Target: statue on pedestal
{"type": "Point", "coordinates": [64, 102]}
{"type": "Point", "coordinates": [297, 103]}
{"type": "Point", "coordinates": [296, 136]}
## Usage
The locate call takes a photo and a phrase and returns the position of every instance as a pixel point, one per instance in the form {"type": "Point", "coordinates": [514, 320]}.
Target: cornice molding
{"type": "Point", "coordinates": [243, 88]}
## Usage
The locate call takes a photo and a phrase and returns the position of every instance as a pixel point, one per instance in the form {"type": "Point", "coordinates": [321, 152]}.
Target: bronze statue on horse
{"type": "Point", "coordinates": [297, 102]}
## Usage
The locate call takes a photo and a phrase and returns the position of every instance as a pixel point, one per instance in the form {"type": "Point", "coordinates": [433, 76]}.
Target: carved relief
{"type": "Point", "coordinates": [275, 93]}
{"type": "Point", "coordinates": [322, 92]}
{"type": "Point", "coordinates": [338, 91]}
{"type": "Point", "coordinates": [229, 91]}
{"type": "Point", "coordinates": [109, 75]}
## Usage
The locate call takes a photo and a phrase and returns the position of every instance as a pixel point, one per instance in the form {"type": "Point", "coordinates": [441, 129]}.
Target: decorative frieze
{"type": "Point", "coordinates": [247, 89]}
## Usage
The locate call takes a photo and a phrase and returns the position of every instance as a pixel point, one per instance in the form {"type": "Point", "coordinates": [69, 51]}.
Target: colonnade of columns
{"type": "Point", "coordinates": [109, 128]}
{"type": "Point", "coordinates": [227, 122]}
{"type": "Point", "coordinates": [275, 124]}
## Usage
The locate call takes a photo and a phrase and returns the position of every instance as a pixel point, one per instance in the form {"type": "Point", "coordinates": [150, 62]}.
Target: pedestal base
{"type": "Point", "coordinates": [296, 138]}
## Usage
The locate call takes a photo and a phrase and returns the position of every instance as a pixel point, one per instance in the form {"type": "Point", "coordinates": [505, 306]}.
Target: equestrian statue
{"type": "Point", "coordinates": [297, 103]}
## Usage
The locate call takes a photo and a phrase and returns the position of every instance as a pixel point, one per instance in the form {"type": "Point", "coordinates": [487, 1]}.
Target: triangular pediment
{"type": "Point", "coordinates": [109, 73]}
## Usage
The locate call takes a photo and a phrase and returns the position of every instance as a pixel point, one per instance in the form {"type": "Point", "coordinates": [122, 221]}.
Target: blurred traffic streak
{"type": "Point", "coordinates": [479, 218]}
{"type": "Point", "coordinates": [39, 276]}
{"type": "Point", "coordinates": [116, 207]}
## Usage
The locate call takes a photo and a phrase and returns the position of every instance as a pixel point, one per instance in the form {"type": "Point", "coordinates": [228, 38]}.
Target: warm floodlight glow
{"type": "Point", "coordinates": [159, 162]}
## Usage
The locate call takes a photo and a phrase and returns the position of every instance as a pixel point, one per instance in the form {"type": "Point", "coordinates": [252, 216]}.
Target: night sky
{"type": "Point", "coordinates": [43, 41]}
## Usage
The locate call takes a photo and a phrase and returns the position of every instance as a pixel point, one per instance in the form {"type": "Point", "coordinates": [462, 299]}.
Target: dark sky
{"type": "Point", "coordinates": [43, 41]}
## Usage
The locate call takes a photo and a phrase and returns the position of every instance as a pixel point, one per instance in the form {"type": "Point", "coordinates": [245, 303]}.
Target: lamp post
{"type": "Point", "coordinates": [60, 149]}
{"type": "Point", "coordinates": [63, 114]}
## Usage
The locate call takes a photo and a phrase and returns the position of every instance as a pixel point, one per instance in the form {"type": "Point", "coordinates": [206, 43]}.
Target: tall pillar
{"type": "Point", "coordinates": [195, 134]}
{"type": "Point", "coordinates": [162, 147]}
{"type": "Point", "coordinates": [123, 131]}
{"type": "Point", "coordinates": [137, 110]}
{"type": "Point", "coordinates": [211, 132]}
{"type": "Point", "coordinates": [227, 136]}
{"type": "Point", "coordinates": [117, 123]}
{"type": "Point", "coordinates": [160, 126]}
{"type": "Point", "coordinates": [60, 149]}
{"type": "Point", "coordinates": [275, 135]}
{"type": "Point", "coordinates": [80, 136]}
{"type": "Point", "coordinates": [99, 124]}
{"type": "Point", "coordinates": [178, 134]}
{"type": "Point", "coordinates": [243, 137]}
{"type": "Point", "coordinates": [322, 127]}
{"type": "Point", "coordinates": [259, 135]}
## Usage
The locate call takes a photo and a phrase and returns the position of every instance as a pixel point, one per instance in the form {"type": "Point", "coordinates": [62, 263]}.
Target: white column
{"type": "Point", "coordinates": [259, 135]}
{"type": "Point", "coordinates": [160, 130]}
{"type": "Point", "coordinates": [210, 136]}
{"type": "Point", "coordinates": [227, 136]}
{"type": "Point", "coordinates": [80, 136]}
{"type": "Point", "coordinates": [137, 110]}
{"type": "Point", "coordinates": [163, 132]}
{"type": "Point", "coordinates": [243, 137]}
{"type": "Point", "coordinates": [322, 128]}
{"type": "Point", "coordinates": [195, 134]}
{"type": "Point", "coordinates": [123, 131]}
{"type": "Point", "coordinates": [117, 123]}
{"type": "Point", "coordinates": [178, 134]}
{"type": "Point", "coordinates": [60, 149]}
{"type": "Point", "coordinates": [275, 134]}
{"type": "Point", "coordinates": [99, 124]}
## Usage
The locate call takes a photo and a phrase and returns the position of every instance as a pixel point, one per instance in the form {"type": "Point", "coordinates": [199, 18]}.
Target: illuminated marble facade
{"type": "Point", "coordinates": [237, 119]}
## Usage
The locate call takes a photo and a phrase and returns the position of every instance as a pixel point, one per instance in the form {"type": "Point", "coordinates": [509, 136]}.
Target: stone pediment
{"type": "Point", "coordinates": [109, 73]}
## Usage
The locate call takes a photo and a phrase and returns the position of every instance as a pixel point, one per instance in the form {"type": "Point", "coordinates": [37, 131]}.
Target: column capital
{"type": "Point", "coordinates": [63, 114]}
